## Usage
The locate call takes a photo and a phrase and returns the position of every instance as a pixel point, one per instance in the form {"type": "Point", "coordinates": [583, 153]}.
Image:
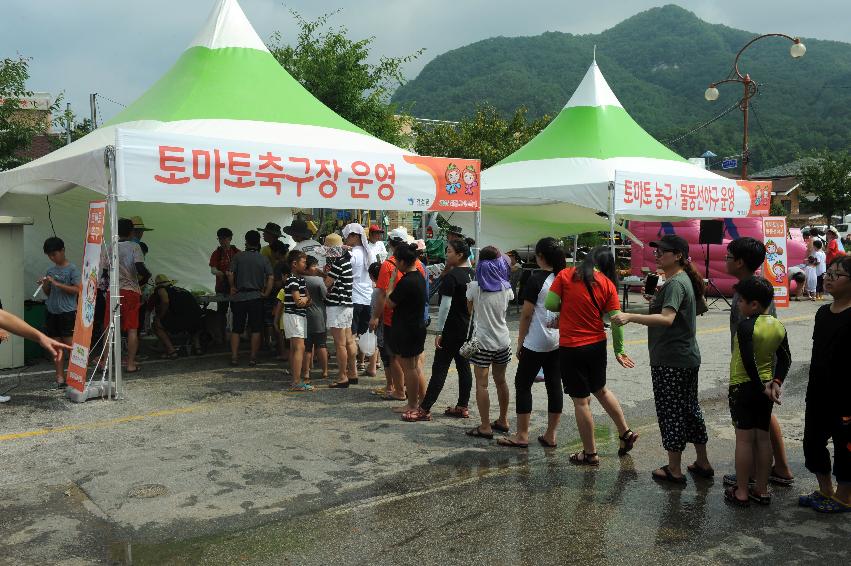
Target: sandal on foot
{"type": "Point", "coordinates": [700, 471]}
{"type": "Point", "coordinates": [301, 387]}
{"type": "Point", "coordinates": [831, 505]}
{"type": "Point", "coordinates": [730, 497]}
{"type": "Point", "coordinates": [457, 412]}
{"type": "Point", "coordinates": [416, 415]}
{"type": "Point", "coordinates": [584, 458]}
{"type": "Point", "coordinates": [498, 427]}
{"type": "Point", "coordinates": [760, 498]}
{"type": "Point", "coordinates": [776, 479]}
{"type": "Point", "coordinates": [252, 363]}
{"type": "Point", "coordinates": [353, 380]}
{"type": "Point", "coordinates": [339, 385]}
{"type": "Point", "coordinates": [476, 432]}
{"type": "Point", "coordinates": [668, 476]}
{"type": "Point", "coordinates": [730, 479]}
{"type": "Point", "coordinates": [629, 439]}
{"type": "Point", "coordinates": [545, 443]}
{"type": "Point", "coordinates": [511, 443]}
{"type": "Point", "coordinates": [234, 362]}
{"type": "Point", "coordinates": [170, 355]}
{"type": "Point", "coordinates": [811, 499]}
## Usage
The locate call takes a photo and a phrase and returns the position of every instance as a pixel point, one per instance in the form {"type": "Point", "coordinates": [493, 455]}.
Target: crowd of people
{"type": "Point", "coordinates": [374, 302]}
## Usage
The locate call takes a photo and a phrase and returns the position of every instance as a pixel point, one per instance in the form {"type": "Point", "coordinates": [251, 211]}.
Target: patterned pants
{"type": "Point", "coordinates": [677, 410]}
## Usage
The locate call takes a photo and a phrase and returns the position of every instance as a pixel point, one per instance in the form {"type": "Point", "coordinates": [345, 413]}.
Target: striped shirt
{"type": "Point", "coordinates": [294, 283]}
{"type": "Point", "coordinates": [340, 294]}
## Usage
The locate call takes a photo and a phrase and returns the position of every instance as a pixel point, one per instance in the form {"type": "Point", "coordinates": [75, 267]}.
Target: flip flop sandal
{"type": "Point", "coordinates": [137, 370]}
{"type": "Point", "coordinates": [730, 497]}
{"type": "Point", "coordinates": [252, 363]}
{"type": "Point", "coordinates": [700, 471]}
{"type": "Point", "coordinates": [475, 432]}
{"type": "Point", "coordinates": [339, 385]}
{"type": "Point", "coordinates": [629, 439]}
{"type": "Point", "coordinates": [584, 459]}
{"type": "Point", "coordinates": [499, 428]}
{"type": "Point", "coordinates": [509, 443]}
{"type": "Point", "coordinates": [811, 499]}
{"type": "Point", "coordinates": [780, 480]}
{"type": "Point", "coordinates": [730, 480]}
{"type": "Point", "coordinates": [543, 442]}
{"type": "Point", "coordinates": [831, 505]}
{"type": "Point", "coordinates": [353, 380]}
{"type": "Point", "coordinates": [457, 412]}
{"type": "Point", "coordinates": [301, 387]}
{"type": "Point", "coordinates": [416, 415]}
{"type": "Point", "coordinates": [669, 477]}
{"type": "Point", "coordinates": [761, 499]}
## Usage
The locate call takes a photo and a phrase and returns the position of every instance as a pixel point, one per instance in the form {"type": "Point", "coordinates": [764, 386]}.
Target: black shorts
{"type": "Point", "coordinates": [749, 407]}
{"type": "Point", "coordinates": [247, 312]}
{"type": "Point", "coordinates": [360, 318]}
{"type": "Point", "coordinates": [316, 340]}
{"type": "Point", "coordinates": [387, 349]}
{"type": "Point", "coordinates": [60, 325]}
{"type": "Point", "coordinates": [583, 369]}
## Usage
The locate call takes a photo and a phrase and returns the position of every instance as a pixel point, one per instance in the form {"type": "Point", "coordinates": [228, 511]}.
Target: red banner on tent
{"type": "Point", "coordinates": [87, 298]}
{"type": "Point", "coordinates": [776, 267]}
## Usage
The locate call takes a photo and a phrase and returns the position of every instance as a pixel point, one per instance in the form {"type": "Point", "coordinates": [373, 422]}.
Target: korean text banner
{"type": "Point", "coordinates": [776, 266]}
{"type": "Point", "coordinates": [175, 168]}
{"type": "Point", "coordinates": [87, 298]}
{"type": "Point", "coordinates": [646, 194]}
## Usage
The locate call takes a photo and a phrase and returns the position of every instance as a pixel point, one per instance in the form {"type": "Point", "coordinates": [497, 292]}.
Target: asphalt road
{"type": "Point", "coordinates": [203, 463]}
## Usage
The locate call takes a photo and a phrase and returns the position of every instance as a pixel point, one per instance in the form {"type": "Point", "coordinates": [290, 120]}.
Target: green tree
{"type": "Point", "coordinates": [777, 209]}
{"type": "Point", "coordinates": [828, 180]}
{"type": "Point", "coordinates": [16, 128]}
{"type": "Point", "coordinates": [335, 69]}
{"type": "Point", "coordinates": [487, 136]}
{"type": "Point", "coordinates": [78, 128]}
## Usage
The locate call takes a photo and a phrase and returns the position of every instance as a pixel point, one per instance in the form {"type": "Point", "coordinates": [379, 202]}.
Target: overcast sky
{"type": "Point", "coordinates": [120, 48]}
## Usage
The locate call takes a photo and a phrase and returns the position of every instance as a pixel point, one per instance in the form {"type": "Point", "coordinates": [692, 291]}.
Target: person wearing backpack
{"type": "Point", "coordinates": [176, 311]}
{"type": "Point", "coordinates": [583, 296]}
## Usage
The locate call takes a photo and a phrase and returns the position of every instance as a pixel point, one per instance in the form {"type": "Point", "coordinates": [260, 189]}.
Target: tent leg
{"type": "Point", "coordinates": [114, 286]}
{"type": "Point", "coordinates": [612, 221]}
{"type": "Point", "coordinates": [575, 248]}
{"type": "Point", "coordinates": [477, 233]}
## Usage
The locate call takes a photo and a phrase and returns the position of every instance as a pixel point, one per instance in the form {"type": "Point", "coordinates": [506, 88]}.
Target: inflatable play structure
{"type": "Point", "coordinates": [690, 230]}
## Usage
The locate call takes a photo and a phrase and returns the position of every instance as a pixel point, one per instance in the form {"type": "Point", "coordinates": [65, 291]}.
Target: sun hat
{"type": "Point", "coordinates": [271, 228]}
{"type": "Point", "coordinates": [298, 228]}
{"type": "Point", "coordinates": [139, 224]}
{"type": "Point", "coordinates": [162, 279]}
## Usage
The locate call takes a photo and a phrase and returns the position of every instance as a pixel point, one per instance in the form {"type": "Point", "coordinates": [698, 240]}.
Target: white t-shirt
{"type": "Point", "coordinates": [489, 309]}
{"type": "Point", "coordinates": [379, 251]}
{"type": "Point", "coordinates": [822, 262]}
{"type": "Point", "coordinates": [129, 254]}
{"type": "Point", "coordinates": [311, 247]}
{"type": "Point", "coordinates": [541, 338]}
{"type": "Point", "coordinates": [361, 282]}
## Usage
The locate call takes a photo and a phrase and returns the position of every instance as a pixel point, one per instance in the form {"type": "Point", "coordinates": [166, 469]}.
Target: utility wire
{"type": "Point", "coordinates": [110, 100]}
{"type": "Point", "coordinates": [703, 125]}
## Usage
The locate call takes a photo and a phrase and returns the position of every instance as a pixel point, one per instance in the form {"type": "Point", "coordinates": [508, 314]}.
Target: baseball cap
{"type": "Point", "coordinates": [400, 233]}
{"type": "Point", "coordinates": [671, 243]}
{"type": "Point", "coordinates": [376, 228]}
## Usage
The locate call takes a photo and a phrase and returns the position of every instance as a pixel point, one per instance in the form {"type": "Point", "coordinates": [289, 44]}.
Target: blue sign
{"type": "Point", "coordinates": [729, 164]}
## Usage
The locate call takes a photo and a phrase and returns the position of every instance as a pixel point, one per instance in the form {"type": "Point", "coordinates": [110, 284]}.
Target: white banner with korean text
{"type": "Point", "coordinates": [177, 168]}
{"type": "Point", "coordinates": [647, 194]}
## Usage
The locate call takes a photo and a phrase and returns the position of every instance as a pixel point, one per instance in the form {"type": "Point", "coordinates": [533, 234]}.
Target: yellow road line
{"type": "Point", "coordinates": [725, 328]}
{"type": "Point", "coordinates": [100, 424]}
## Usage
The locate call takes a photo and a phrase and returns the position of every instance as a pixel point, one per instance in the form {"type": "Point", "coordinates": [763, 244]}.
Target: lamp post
{"type": "Point", "coordinates": [797, 51]}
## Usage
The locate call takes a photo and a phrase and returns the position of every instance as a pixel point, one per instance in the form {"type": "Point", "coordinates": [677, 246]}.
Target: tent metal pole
{"type": "Point", "coordinates": [114, 285]}
{"type": "Point", "coordinates": [575, 248]}
{"type": "Point", "coordinates": [612, 220]}
{"type": "Point", "coordinates": [477, 233]}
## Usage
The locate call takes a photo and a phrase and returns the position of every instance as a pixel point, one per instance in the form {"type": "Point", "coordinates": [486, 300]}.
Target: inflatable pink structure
{"type": "Point", "coordinates": [690, 230]}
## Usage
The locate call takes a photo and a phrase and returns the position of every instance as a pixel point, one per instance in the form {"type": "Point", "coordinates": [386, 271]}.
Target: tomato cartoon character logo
{"type": "Point", "coordinates": [453, 179]}
{"type": "Point", "coordinates": [772, 250]}
{"type": "Point", "coordinates": [779, 271]}
{"type": "Point", "coordinates": [470, 180]}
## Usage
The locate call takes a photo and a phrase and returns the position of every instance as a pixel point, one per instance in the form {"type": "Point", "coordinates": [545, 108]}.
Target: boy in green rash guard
{"type": "Point", "coordinates": [587, 293]}
{"type": "Point", "coordinates": [753, 389]}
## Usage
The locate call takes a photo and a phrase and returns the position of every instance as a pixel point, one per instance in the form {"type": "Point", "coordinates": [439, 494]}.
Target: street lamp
{"type": "Point", "coordinates": [797, 50]}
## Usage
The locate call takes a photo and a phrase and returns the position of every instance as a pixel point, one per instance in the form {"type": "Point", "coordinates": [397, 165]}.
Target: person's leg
{"type": "Point", "coordinates": [778, 447]}
{"type": "Point", "coordinates": [483, 402]}
{"type": "Point", "coordinates": [841, 432]}
{"type": "Point", "coordinates": [527, 369]}
{"type": "Point", "coordinates": [132, 349]}
{"type": "Point", "coordinates": [296, 358]}
{"type": "Point", "coordinates": [668, 396]}
{"type": "Point", "coordinates": [745, 440]}
{"type": "Point", "coordinates": [762, 464]}
{"type": "Point", "coordinates": [465, 379]}
{"type": "Point", "coordinates": [585, 423]}
{"type": "Point", "coordinates": [320, 354]}
{"type": "Point", "coordinates": [399, 380]}
{"type": "Point", "coordinates": [555, 395]}
{"type": "Point", "coordinates": [234, 346]}
{"type": "Point", "coordinates": [163, 336]}
{"type": "Point", "coordinates": [502, 393]}
{"type": "Point", "coordinates": [817, 432]}
{"type": "Point", "coordinates": [612, 407]}
{"type": "Point", "coordinates": [351, 352]}
{"type": "Point", "coordinates": [439, 370]}
{"type": "Point", "coordinates": [341, 348]}
{"type": "Point", "coordinates": [60, 365]}
{"type": "Point", "coordinates": [307, 363]}
{"type": "Point", "coordinates": [696, 427]}
{"type": "Point", "coordinates": [410, 368]}
{"type": "Point", "coordinates": [421, 380]}
{"type": "Point", "coordinates": [256, 340]}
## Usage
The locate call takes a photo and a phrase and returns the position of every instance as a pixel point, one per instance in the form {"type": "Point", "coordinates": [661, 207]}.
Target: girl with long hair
{"type": "Point", "coordinates": [675, 357]}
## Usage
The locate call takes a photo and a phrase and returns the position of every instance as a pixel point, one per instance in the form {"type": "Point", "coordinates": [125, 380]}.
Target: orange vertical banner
{"type": "Point", "coordinates": [78, 364]}
{"type": "Point", "coordinates": [776, 267]}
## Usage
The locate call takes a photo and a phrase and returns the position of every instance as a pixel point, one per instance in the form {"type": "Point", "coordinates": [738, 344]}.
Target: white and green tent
{"type": "Point", "coordinates": [225, 85]}
{"type": "Point", "coordinates": [558, 183]}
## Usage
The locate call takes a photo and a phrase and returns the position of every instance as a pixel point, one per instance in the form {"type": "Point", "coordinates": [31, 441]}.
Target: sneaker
{"type": "Point", "coordinates": [4, 398]}
{"type": "Point", "coordinates": [730, 480]}
{"type": "Point", "coordinates": [812, 499]}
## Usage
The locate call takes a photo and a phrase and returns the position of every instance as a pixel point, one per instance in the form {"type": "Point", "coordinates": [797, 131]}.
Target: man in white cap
{"type": "Point", "coordinates": [362, 257]}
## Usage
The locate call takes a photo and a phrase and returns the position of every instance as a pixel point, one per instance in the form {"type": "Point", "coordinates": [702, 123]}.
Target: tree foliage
{"type": "Point", "coordinates": [16, 129]}
{"type": "Point", "coordinates": [487, 136]}
{"type": "Point", "coordinates": [828, 180]}
{"type": "Point", "coordinates": [335, 69]}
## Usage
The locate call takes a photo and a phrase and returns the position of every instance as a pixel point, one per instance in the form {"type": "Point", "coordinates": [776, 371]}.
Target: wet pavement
{"type": "Point", "coordinates": [205, 464]}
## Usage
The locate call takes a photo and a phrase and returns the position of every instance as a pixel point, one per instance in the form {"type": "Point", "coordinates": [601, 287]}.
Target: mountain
{"type": "Point", "coordinates": [658, 63]}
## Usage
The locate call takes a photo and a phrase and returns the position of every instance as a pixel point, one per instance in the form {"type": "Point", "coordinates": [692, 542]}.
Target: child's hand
{"type": "Point", "coordinates": [621, 319]}
{"type": "Point", "coordinates": [772, 391]}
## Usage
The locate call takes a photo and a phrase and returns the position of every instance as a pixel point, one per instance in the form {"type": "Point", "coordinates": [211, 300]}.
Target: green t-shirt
{"type": "Point", "coordinates": [676, 345]}
{"type": "Point", "coordinates": [758, 340]}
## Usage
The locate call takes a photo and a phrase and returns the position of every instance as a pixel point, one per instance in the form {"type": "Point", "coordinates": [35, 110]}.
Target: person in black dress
{"type": "Point", "coordinates": [409, 332]}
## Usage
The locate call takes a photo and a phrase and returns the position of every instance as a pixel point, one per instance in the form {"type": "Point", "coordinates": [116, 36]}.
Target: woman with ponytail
{"type": "Point", "coordinates": [675, 357]}
{"type": "Point", "coordinates": [537, 348]}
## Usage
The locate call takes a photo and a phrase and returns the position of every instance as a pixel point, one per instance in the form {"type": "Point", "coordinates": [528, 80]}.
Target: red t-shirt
{"type": "Point", "coordinates": [221, 261]}
{"type": "Point", "coordinates": [580, 322]}
{"type": "Point", "coordinates": [383, 283]}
